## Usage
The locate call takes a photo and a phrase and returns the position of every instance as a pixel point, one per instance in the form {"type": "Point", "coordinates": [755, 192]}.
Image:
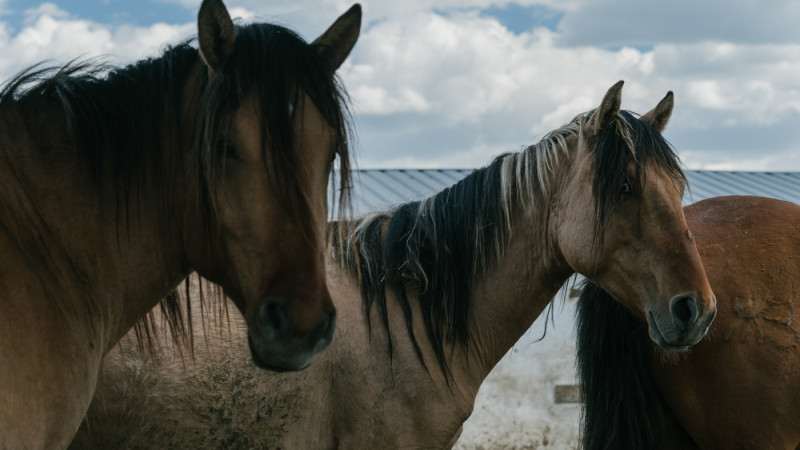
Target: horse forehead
{"type": "Point", "coordinates": [306, 120]}
{"type": "Point", "coordinates": [311, 128]}
{"type": "Point", "coordinates": [662, 179]}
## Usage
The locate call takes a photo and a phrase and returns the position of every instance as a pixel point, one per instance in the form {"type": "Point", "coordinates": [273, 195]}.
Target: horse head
{"type": "Point", "coordinates": [635, 243]}
{"type": "Point", "coordinates": [270, 124]}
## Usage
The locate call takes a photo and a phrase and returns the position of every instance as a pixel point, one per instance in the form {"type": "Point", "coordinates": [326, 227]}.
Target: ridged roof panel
{"type": "Point", "coordinates": [380, 189]}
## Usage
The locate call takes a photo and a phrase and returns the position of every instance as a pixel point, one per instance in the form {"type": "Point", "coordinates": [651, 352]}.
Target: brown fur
{"type": "Point", "coordinates": [740, 386]}
{"type": "Point", "coordinates": [357, 394]}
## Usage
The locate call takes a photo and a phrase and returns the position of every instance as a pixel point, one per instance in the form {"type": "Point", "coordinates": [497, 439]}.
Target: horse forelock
{"type": "Point", "coordinates": [630, 142]}
{"type": "Point", "coordinates": [276, 66]}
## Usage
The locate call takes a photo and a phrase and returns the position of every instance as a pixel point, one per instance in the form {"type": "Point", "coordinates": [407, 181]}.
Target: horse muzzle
{"type": "Point", "coordinates": [685, 324]}
{"type": "Point", "coordinates": [276, 344]}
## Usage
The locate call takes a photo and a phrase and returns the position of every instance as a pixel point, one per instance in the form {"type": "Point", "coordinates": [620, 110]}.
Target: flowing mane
{"type": "Point", "coordinates": [435, 247]}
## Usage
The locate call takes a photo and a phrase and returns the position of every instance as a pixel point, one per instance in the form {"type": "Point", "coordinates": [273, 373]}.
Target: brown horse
{"type": "Point", "coordinates": [740, 386]}
{"type": "Point", "coordinates": [433, 293]}
{"type": "Point", "coordinates": [116, 183]}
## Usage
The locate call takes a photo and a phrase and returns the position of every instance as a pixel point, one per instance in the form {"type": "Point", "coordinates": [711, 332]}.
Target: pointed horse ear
{"type": "Point", "coordinates": [336, 43]}
{"type": "Point", "coordinates": [215, 33]}
{"type": "Point", "coordinates": [608, 110]}
{"type": "Point", "coordinates": [659, 116]}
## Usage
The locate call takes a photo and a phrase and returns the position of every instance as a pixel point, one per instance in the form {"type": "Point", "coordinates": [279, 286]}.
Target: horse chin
{"type": "Point", "coordinates": [276, 364]}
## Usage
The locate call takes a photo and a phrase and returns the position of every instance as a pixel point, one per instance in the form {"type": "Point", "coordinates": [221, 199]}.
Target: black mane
{"type": "Point", "coordinates": [620, 401]}
{"type": "Point", "coordinates": [430, 248]}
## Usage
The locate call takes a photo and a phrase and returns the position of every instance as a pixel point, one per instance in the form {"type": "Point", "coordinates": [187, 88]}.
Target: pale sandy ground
{"type": "Point", "coordinates": [515, 407]}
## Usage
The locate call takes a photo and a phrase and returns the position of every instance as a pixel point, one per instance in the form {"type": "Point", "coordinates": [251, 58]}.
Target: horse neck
{"type": "Point", "coordinates": [100, 252]}
{"type": "Point", "coordinates": [512, 294]}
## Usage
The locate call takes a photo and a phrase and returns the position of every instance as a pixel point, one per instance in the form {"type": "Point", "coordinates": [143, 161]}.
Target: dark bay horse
{"type": "Point", "coordinates": [118, 182]}
{"type": "Point", "coordinates": [740, 386]}
{"type": "Point", "coordinates": [432, 294]}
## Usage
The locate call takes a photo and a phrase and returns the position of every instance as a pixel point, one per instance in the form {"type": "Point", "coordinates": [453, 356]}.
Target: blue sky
{"type": "Point", "coordinates": [112, 12]}
{"type": "Point", "coordinates": [450, 83]}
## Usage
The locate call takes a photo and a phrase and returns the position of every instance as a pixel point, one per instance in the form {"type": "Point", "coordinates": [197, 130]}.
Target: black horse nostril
{"type": "Point", "coordinates": [684, 310]}
{"type": "Point", "coordinates": [273, 321]}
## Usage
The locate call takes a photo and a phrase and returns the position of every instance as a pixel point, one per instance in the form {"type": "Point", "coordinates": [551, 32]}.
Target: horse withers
{"type": "Point", "coordinates": [117, 182]}
{"type": "Point", "coordinates": [740, 386]}
{"type": "Point", "coordinates": [431, 295]}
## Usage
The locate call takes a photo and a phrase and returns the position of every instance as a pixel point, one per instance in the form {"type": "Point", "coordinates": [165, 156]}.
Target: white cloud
{"type": "Point", "coordinates": [452, 86]}
{"type": "Point", "coordinates": [485, 86]}
{"type": "Point", "coordinates": [45, 9]}
{"type": "Point", "coordinates": [479, 79]}
{"type": "Point", "coordinates": [50, 34]}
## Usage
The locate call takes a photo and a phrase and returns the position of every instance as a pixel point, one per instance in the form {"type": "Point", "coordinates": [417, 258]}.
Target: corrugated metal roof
{"type": "Point", "coordinates": [379, 189]}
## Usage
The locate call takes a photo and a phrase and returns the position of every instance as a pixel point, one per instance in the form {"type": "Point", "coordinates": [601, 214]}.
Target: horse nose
{"type": "Point", "coordinates": [273, 321]}
{"type": "Point", "coordinates": [274, 324]}
{"type": "Point", "coordinates": [277, 343]}
{"type": "Point", "coordinates": [684, 311]}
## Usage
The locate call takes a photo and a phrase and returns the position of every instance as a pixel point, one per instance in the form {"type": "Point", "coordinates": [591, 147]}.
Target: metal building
{"type": "Point", "coordinates": [379, 189]}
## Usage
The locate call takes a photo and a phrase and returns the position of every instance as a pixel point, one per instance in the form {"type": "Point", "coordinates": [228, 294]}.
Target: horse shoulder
{"type": "Point", "coordinates": [52, 370]}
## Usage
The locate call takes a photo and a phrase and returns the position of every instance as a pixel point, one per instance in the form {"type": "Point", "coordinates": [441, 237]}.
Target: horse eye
{"type": "Point", "coordinates": [626, 188]}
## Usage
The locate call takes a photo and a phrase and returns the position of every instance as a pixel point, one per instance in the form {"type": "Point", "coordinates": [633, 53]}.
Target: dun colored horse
{"type": "Point", "coordinates": [740, 386]}
{"type": "Point", "coordinates": [433, 293]}
{"type": "Point", "coordinates": [116, 183]}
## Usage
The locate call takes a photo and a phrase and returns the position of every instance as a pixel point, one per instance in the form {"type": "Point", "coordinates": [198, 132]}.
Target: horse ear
{"type": "Point", "coordinates": [336, 43]}
{"type": "Point", "coordinates": [215, 33]}
{"type": "Point", "coordinates": [608, 110]}
{"type": "Point", "coordinates": [659, 116]}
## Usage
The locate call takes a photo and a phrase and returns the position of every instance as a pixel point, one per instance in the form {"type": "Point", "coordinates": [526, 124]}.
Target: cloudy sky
{"type": "Point", "coordinates": [450, 83]}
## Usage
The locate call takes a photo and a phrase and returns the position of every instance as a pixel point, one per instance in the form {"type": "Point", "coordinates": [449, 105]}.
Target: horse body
{"type": "Point", "coordinates": [740, 386]}
{"type": "Point", "coordinates": [432, 294]}
{"type": "Point", "coordinates": [115, 187]}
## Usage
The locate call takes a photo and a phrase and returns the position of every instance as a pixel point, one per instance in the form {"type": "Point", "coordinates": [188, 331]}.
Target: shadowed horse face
{"type": "Point", "coordinates": [267, 191]}
{"type": "Point", "coordinates": [628, 179]}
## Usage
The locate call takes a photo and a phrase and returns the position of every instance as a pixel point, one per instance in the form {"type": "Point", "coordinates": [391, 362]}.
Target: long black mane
{"type": "Point", "coordinates": [620, 401]}
{"type": "Point", "coordinates": [436, 247]}
{"type": "Point", "coordinates": [132, 125]}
